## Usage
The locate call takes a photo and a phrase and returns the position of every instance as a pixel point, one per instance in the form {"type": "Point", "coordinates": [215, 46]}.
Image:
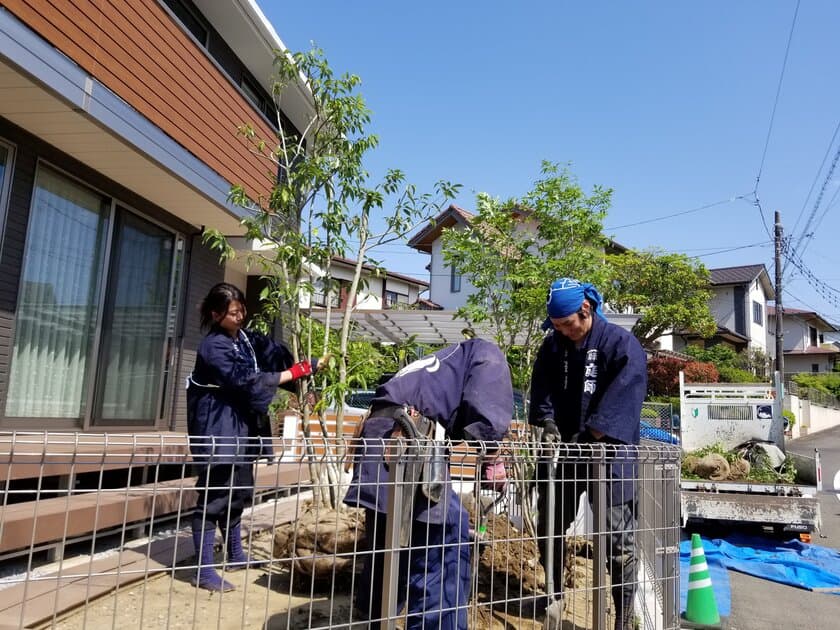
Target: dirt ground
{"type": "Point", "coordinates": [509, 579]}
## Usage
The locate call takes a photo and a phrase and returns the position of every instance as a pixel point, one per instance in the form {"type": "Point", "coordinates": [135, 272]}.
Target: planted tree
{"type": "Point", "coordinates": [323, 202]}
{"type": "Point", "coordinates": [512, 250]}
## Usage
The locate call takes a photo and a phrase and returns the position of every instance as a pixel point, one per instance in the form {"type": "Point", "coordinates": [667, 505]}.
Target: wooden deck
{"type": "Point", "coordinates": [33, 455]}
{"type": "Point", "coordinates": [36, 601]}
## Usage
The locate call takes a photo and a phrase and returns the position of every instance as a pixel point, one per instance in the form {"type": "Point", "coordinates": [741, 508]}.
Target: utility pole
{"type": "Point", "coordinates": [780, 354]}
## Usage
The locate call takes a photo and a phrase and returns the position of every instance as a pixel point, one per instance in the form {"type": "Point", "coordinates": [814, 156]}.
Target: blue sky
{"type": "Point", "coordinates": [668, 103]}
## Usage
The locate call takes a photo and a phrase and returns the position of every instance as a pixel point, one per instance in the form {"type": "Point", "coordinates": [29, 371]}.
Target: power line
{"type": "Point", "coordinates": [816, 177]}
{"type": "Point", "coordinates": [733, 249]}
{"type": "Point", "coordinates": [801, 243]}
{"type": "Point", "coordinates": [776, 101]}
{"type": "Point", "coordinates": [772, 120]}
{"type": "Point", "coordinates": [677, 214]}
{"type": "Point", "coordinates": [827, 292]}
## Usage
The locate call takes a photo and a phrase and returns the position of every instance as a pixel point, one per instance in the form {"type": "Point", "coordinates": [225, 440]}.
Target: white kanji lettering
{"type": "Point", "coordinates": [589, 387]}
{"type": "Point", "coordinates": [590, 371]}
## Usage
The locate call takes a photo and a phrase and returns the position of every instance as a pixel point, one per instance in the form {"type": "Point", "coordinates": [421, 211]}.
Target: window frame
{"type": "Point", "coordinates": [454, 280]}
{"type": "Point", "coordinates": [389, 304]}
{"type": "Point", "coordinates": [86, 421]}
{"type": "Point", "coordinates": [758, 313]}
{"type": "Point", "coordinates": [6, 187]}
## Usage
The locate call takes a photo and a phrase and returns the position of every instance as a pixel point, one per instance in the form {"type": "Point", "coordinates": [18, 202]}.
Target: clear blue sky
{"type": "Point", "coordinates": [668, 103]}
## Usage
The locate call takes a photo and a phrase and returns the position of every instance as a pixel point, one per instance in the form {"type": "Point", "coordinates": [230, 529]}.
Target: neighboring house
{"type": "Point", "coordinates": [805, 345]}
{"type": "Point", "coordinates": [117, 145]}
{"type": "Point", "coordinates": [380, 289]}
{"type": "Point", "coordinates": [739, 306]}
{"type": "Point", "coordinates": [447, 287]}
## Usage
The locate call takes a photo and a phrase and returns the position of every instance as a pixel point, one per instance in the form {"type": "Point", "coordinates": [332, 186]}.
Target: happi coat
{"type": "Point", "coordinates": [599, 386]}
{"type": "Point", "coordinates": [230, 388]}
{"type": "Point", "coordinates": [466, 388]}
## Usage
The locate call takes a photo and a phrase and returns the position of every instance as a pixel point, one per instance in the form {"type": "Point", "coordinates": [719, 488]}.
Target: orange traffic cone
{"type": "Point", "coordinates": [701, 608]}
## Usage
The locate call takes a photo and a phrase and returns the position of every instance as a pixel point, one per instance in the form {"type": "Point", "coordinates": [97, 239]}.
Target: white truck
{"type": "Point", "coordinates": [731, 414]}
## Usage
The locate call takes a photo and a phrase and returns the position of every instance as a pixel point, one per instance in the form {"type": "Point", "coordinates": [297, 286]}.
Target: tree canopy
{"type": "Point", "coordinates": [512, 250]}
{"type": "Point", "coordinates": [670, 291]}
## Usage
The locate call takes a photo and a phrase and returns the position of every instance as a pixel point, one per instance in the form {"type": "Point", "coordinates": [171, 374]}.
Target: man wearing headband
{"type": "Point", "coordinates": [588, 385]}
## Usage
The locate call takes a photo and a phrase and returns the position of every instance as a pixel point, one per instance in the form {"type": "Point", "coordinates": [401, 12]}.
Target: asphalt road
{"type": "Point", "coordinates": [763, 605]}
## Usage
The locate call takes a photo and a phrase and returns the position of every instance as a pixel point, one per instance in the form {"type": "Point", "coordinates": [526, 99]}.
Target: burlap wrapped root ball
{"type": "Point", "coordinates": [739, 469]}
{"type": "Point", "coordinates": [322, 542]}
{"type": "Point", "coordinates": [712, 466]}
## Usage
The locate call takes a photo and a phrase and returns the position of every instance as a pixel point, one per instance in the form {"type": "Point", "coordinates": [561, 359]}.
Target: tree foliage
{"type": "Point", "coordinates": [733, 367]}
{"type": "Point", "coordinates": [827, 383]}
{"type": "Point", "coordinates": [670, 291]}
{"type": "Point", "coordinates": [512, 250]}
{"type": "Point", "coordinates": [323, 202]}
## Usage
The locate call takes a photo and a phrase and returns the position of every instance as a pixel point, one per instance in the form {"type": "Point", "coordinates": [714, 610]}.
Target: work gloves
{"type": "Point", "coordinates": [550, 434]}
{"type": "Point", "coordinates": [308, 367]}
{"type": "Point", "coordinates": [494, 475]}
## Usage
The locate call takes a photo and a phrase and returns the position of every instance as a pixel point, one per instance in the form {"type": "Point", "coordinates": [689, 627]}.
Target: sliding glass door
{"type": "Point", "coordinates": [134, 322]}
{"type": "Point", "coordinates": [95, 310]}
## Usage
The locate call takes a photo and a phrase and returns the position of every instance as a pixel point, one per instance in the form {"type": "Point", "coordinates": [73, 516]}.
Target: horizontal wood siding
{"type": "Point", "coordinates": [137, 50]}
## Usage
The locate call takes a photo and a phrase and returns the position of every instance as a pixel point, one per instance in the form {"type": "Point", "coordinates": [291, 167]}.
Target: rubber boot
{"type": "Point", "coordinates": [237, 559]}
{"type": "Point", "coordinates": [206, 576]}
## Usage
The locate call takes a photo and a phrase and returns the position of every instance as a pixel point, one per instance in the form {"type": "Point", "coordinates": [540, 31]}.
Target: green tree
{"type": "Point", "coordinates": [323, 202]}
{"type": "Point", "coordinates": [670, 291]}
{"type": "Point", "coordinates": [512, 250]}
{"type": "Point", "coordinates": [732, 366]}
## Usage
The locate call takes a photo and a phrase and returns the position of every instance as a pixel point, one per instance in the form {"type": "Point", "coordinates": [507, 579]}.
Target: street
{"type": "Point", "coordinates": [759, 604]}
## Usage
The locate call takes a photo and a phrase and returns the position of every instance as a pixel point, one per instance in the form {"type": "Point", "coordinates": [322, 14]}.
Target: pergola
{"type": "Point", "coordinates": [429, 327]}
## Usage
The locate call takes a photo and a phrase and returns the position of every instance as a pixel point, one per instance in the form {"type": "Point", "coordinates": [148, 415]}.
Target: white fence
{"type": "Point", "coordinates": [95, 533]}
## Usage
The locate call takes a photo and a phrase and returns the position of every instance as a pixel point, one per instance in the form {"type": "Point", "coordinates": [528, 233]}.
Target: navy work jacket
{"type": "Point", "coordinates": [599, 386]}
{"type": "Point", "coordinates": [232, 385]}
{"type": "Point", "coordinates": [466, 388]}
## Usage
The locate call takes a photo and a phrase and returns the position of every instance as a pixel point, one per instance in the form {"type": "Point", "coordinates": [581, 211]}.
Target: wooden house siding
{"type": "Point", "coordinates": [137, 50]}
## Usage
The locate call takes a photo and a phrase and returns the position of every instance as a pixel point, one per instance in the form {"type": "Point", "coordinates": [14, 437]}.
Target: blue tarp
{"type": "Point", "coordinates": [794, 563]}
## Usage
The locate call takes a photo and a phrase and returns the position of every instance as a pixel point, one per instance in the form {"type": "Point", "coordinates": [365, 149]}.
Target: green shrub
{"type": "Point", "coordinates": [827, 383]}
{"type": "Point", "coordinates": [791, 417]}
{"type": "Point", "coordinates": [729, 374]}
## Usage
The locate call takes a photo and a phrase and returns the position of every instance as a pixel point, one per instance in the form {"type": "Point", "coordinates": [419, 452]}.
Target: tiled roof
{"type": "Point", "coordinates": [390, 274]}
{"type": "Point", "coordinates": [736, 275]}
{"type": "Point", "coordinates": [423, 240]}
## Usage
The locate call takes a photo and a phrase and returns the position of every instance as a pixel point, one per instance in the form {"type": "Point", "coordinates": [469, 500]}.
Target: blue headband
{"type": "Point", "coordinates": [566, 296]}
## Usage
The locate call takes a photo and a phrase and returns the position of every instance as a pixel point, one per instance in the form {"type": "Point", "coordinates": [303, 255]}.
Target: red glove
{"type": "Point", "coordinates": [494, 476]}
{"type": "Point", "coordinates": [299, 370]}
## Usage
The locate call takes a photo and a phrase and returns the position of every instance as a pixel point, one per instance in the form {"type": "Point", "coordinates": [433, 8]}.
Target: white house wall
{"type": "Point", "coordinates": [757, 332]}
{"type": "Point", "coordinates": [439, 282]}
{"type": "Point", "coordinates": [806, 363]}
{"type": "Point", "coordinates": [722, 306]}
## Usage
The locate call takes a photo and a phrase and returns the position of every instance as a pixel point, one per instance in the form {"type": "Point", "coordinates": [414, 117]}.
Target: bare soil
{"type": "Point", "coordinates": [290, 592]}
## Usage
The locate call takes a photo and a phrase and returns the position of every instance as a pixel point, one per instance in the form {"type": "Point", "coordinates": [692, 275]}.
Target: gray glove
{"type": "Point", "coordinates": [550, 434]}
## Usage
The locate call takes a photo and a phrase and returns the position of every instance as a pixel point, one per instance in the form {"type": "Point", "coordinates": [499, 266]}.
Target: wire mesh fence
{"type": "Point", "coordinates": [100, 531]}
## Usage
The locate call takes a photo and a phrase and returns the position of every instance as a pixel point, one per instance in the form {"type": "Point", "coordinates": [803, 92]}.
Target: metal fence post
{"type": "Point", "coordinates": [599, 559]}
{"type": "Point", "coordinates": [393, 527]}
